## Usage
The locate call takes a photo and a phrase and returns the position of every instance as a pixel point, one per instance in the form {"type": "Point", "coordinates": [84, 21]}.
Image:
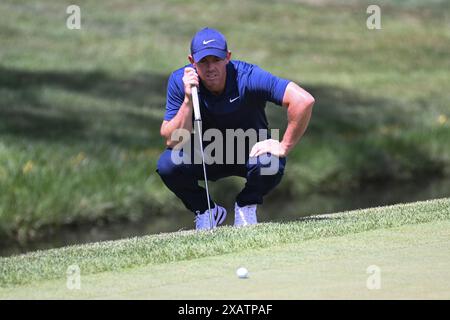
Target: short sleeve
{"type": "Point", "coordinates": [175, 97]}
{"type": "Point", "coordinates": [268, 86]}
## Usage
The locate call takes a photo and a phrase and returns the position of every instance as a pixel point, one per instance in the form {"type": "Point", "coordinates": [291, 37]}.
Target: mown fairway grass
{"type": "Point", "coordinates": [413, 262]}
{"type": "Point", "coordinates": [321, 256]}
{"type": "Point", "coordinates": [80, 110]}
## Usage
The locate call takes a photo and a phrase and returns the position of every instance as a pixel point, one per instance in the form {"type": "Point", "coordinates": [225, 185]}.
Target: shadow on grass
{"type": "Point", "coordinates": [142, 89]}
{"type": "Point", "coordinates": [29, 108]}
{"type": "Point", "coordinates": [372, 139]}
{"type": "Point", "coordinates": [339, 111]}
{"type": "Point", "coordinates": [101, 108]}
{"type": "Point", "coordinates": [42, 125]}
{"type": "Point", "coordinates": [74, 106]}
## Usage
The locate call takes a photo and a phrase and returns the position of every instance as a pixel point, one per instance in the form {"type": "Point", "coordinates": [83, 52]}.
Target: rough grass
{"type": "Point", "coordinates": [163, 248]}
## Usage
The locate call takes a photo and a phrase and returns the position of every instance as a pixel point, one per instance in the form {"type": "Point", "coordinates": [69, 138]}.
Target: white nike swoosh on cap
{"type": "Point", "coordinates": [206, 42]}
{"type": "Point", "coordinates": [232, 100]}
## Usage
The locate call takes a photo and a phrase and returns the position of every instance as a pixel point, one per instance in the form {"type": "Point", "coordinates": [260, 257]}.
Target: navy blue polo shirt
{"type": "Point", "coordinates": [242, 103]}
{"type": "Point", "coordinates": [240, 106]}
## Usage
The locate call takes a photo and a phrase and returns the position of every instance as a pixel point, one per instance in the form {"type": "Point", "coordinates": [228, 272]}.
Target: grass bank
{"type": "Point", "coordinates": [164, 248]}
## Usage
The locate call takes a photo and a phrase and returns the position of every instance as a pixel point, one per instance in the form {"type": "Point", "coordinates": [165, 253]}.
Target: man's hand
{"type": "Point", "coordinates": [183, 118]}
{"type": "Point", "coordinates": [269, 146]}
{"type": "Point", "coordinates": [190, 78]}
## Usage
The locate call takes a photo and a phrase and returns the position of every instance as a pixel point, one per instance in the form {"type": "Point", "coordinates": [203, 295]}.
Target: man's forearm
{"type": "Point", "coordinates": [182, 120]}
{"type": "Point", "coordinates": [299, 114]}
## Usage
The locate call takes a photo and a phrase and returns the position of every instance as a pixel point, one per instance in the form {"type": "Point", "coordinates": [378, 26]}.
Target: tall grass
{"type": "Point", "coordinates": [80, 110]}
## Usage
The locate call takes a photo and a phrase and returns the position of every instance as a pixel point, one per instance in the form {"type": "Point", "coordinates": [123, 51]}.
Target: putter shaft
{"type": "Point", "coordinates": [198, 120]}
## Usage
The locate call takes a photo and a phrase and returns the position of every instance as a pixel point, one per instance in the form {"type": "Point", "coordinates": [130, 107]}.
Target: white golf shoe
{"type": "Point", "coordinates": [244, 216]}
{"type": "Point", "coordinates": [202, 221]}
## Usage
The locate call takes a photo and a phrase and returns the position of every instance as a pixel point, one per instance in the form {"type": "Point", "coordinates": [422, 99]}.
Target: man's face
{"type": "Point", "coordinates": [213, 72]}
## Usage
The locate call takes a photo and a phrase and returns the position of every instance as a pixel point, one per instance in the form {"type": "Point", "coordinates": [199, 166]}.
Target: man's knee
{"type": "Point", "coordinates": [166, 166]}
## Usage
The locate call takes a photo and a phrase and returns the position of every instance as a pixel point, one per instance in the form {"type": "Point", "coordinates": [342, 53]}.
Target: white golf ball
{"type": "Point", "coordinates": [242, 273]}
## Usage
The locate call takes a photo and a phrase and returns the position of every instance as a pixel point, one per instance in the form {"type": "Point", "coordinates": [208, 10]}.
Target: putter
{"type": "Point", "coordinates": [198, 121]}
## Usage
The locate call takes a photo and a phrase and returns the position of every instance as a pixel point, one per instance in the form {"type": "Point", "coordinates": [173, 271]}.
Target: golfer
{"type": "Point", "coordinates": [232, 95]}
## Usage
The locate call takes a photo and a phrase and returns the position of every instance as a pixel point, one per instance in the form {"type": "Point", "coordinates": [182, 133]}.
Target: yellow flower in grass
{"type": "Point", "coordinates": [151, 152]}
{"type": "Point", "coordinates": [442, 119]}
{"type": "Point", "coordinates": [384, 130]}
{"type": "Point", "coordinates": [123, 156]}
{"type": "Point", "coordinates": [388, 130]}
{"type": "Point", "coordinates": [75, 161]}
{"type": "Point", "coordinates": [3, 173]}
{"type": "Point", "coordinates": [27, 167]}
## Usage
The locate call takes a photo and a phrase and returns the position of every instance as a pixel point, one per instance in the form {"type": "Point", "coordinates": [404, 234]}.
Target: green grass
{"type": "Point", "coordinates": [80, 110]}
{"type": "Point", "coordinates": [190, 245]}
{"type": "Point", "coordinates": [413, 261]}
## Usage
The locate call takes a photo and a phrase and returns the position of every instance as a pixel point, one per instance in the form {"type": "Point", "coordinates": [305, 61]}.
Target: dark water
{"type": "Point", "coordinates": [273, 210]}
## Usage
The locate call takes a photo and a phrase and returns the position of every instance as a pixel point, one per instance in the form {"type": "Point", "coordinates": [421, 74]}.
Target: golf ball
{"type": "Point", "coordinates": [242, 273]}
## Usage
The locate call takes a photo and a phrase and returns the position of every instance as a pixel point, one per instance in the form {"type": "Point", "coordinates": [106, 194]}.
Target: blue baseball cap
{"type": "Point", "coordinates": [208, 42]}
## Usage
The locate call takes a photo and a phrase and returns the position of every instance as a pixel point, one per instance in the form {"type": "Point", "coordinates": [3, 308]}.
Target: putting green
{"type": "Point", "coordinates": [413, 262]}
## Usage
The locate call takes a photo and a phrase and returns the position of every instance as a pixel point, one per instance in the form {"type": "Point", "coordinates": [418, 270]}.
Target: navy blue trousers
{"type": "Point", "coordinates": [182, 179]}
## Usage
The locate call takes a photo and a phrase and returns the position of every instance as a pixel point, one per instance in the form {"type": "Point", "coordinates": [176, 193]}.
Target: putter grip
{"type": "Point", "coordinates": [197, 115]}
